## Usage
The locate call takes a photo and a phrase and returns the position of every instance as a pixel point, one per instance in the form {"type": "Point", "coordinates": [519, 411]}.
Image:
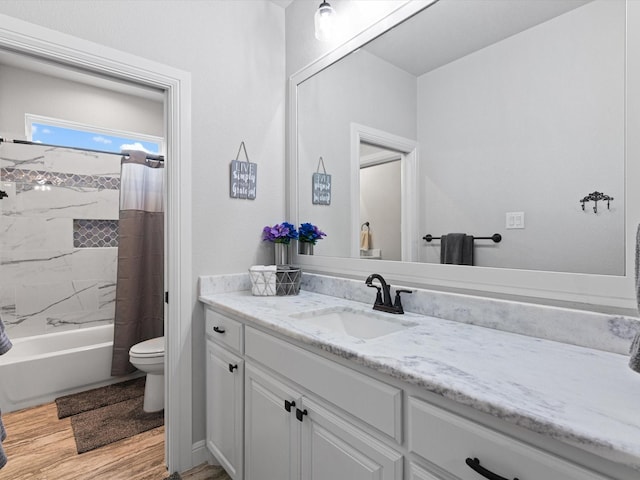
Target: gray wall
{"type": "Point", "coordinates": [328, 103]}
{"type": "Point", "coordinates": [509, 128]}
{"type": "Point", "coordinates": [26, 91]}
{"type": "Point", "coordinates": [503, 131]}
{"type": "Point", "coordinates": [381, 206]}
{"type": "Point", "coordinates": [234, 51]}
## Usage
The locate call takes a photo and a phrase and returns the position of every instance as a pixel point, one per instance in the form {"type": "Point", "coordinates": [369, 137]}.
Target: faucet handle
{"type": "Point", "coordinates": [397, 304]}
{"type": "Point", "coordinates": [378, 294]}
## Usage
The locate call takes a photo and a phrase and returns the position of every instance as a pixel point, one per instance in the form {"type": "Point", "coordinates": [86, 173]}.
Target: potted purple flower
{"type": "Point", "coordinates": [280, 235]}
{"type": "Point", "coordinates": [308, 235]}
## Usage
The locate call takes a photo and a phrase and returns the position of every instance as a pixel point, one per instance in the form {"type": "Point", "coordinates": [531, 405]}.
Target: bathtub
{"type": "Point", "coordinates": [41, 368]}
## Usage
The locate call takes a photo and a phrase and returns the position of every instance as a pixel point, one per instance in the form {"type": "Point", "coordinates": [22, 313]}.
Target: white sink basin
{"type": "Point", "coordinates": [362, 324]}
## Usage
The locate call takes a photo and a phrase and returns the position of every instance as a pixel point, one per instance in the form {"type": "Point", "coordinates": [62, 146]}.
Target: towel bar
{"type": "Point", "coordinates": [496, 237]}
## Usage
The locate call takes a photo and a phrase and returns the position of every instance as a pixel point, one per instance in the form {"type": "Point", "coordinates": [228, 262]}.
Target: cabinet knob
{"type": "Point", "coordinates": [218, 330]}
{"type": "Point", "coordinates": [232, 367]}
{"type": "Point", "coordinates": [301, 413]}
{"type": "Point", "coordinates": [288, 405]}
{"type": "Point", "coordinates": [474, 464]}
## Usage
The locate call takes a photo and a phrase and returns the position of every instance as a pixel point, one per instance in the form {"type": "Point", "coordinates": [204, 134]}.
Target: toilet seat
{"type": "Point", "coordinates": [148, 349]}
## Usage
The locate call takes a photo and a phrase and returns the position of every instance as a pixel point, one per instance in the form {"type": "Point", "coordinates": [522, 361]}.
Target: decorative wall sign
{"type": "Point", "coordinates": [243, 177]}
{"type": "Point", "coordinates": [321, 191]}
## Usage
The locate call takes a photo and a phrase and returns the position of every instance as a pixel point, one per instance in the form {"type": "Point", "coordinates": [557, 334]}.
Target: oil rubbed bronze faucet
{"type": "Point", "coordinates": [383, 295]}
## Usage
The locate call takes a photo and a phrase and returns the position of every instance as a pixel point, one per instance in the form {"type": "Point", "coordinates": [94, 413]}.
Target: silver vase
{"type": "Point", "coordinates": [281, 251]}
{"type": "Point", "coordinates": [305, 248]}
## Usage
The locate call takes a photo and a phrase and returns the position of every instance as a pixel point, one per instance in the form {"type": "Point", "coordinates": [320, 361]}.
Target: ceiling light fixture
{"type": "Point", "coordinates": [325, 22]}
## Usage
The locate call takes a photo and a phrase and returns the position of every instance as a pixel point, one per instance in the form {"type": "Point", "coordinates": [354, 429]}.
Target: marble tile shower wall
{"type": "Point", "coordinates": [47, 283]}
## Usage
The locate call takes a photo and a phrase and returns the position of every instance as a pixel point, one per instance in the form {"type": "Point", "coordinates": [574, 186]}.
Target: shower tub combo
{"type": "Point", "coordinates": [41, 368]}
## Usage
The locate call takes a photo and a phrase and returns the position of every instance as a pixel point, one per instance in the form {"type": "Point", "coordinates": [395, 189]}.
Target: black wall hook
{"type": "Point", "coordinates": [596, 197]}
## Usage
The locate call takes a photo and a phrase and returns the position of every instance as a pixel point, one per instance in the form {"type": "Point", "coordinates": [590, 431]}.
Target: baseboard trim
{"type": "Point", "coordinates": [200, 454]}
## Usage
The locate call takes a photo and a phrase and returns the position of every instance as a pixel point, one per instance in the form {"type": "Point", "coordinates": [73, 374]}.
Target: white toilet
{"type": "Point", "coordinates": [148, 357]}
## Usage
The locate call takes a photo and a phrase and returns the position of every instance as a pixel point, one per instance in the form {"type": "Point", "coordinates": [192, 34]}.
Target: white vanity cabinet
{"type": "Point", "coordinates": [465, 448]}
{"type": "Point", "coordinates": [272, 433]}
{"type": "Point", "coordinates": [225, 393]}
{"type": "Point", "coordinates": [307, 402]}
{"type": "Point", "coordinates": [416, 472]}
{"type": "Point", "coordinates": [333, 448]}
{"type": "Point", "coordinates": [287, 413]}
{"type": "Point", "coordinates": [290, 436]}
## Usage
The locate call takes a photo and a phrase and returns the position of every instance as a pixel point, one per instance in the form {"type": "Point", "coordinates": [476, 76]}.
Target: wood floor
{"type": "Point", "coordinates": [41, 447]}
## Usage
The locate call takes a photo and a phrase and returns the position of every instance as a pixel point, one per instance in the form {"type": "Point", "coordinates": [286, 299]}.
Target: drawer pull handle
{"type": "Point", "coordinates": [301, 413]}
{"type": "Point", "coordinates": [232, 367]}
{"type": "Point", "coordinates": [474, 464]}
{"type": "Point", "coordinates": [288, 405]}
{"type": "Point", "coordinates": [218, 330]}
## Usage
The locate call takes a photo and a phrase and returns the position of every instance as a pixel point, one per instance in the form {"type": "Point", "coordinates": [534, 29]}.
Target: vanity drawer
{"type": "Point", "coordinates": [366, 398]}
{"type": "Point", "coordinates": [447, 440]}
{"type": "Point", "coordinates": [223, 330]}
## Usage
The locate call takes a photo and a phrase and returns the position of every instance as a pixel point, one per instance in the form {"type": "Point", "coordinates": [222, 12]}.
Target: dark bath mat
{"type": "Point", "coordinates": [109, 424]}
{"type": "Point", "coordinates": [99, 397]}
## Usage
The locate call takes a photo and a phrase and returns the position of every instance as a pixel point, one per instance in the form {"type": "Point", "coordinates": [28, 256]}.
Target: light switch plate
{"type": "Point", "coordinates": [514, 220]}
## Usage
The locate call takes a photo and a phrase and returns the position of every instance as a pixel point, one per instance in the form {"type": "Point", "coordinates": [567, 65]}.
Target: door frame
{"type": "Point", "coordinates": [408, 150]}
{"type": "Point", "coordinates": [68, 51]}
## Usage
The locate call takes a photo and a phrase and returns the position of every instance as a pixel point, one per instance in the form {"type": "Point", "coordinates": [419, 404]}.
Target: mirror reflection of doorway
{"type": "Point", "coordinates": [381, 201]}
{"type": "Point", "coordinates": [389, 200]}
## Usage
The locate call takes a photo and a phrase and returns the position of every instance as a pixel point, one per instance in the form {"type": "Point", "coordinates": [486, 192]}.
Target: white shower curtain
{"type": "Point", "coordinates": [140, 279]}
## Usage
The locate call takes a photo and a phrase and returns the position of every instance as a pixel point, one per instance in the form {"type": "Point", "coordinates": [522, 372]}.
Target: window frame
{"type": "Point", "coordinates": [30, 119]}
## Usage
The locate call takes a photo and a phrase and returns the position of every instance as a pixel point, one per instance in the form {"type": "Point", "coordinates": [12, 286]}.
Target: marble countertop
{"type": "Point", "coordinates": [584, 397]}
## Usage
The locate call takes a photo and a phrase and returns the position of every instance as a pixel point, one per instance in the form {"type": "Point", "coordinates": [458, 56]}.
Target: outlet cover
{"type": "Point", "coordinates": [514, 220]}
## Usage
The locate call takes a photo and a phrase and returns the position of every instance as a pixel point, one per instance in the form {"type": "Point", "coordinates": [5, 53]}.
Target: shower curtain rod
{"type": "Point", "coordinates": [150, 156]}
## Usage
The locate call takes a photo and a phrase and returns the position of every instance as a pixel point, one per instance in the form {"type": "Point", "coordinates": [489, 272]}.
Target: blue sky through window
{"type": "Point", "coordinates": [69, 137]}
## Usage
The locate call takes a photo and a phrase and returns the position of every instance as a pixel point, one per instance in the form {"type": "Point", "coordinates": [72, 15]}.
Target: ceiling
{"type": "Point", "coordinates": [282, 3]}
{"type": "Point", "coordinates": [451, 29]}
{"type": "Point", "coordinates": [431, 39]}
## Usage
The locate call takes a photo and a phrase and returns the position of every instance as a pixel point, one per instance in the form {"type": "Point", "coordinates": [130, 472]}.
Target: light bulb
{"type": "Point", "coordinates": [325, 22]}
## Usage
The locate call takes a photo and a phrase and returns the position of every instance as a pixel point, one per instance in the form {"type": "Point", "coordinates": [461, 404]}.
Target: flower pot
{"type": "Point", "coordinates": [305, 248]}
{"type": "Point", "coordinates": [281, 251]}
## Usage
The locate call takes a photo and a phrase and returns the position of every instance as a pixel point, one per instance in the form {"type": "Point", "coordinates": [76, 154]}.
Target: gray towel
{"type": "Point", "coordinates": [456, 249]}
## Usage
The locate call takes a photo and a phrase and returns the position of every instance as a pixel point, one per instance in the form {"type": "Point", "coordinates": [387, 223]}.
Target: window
{"type": "Point", "coordinates": [52, 131]}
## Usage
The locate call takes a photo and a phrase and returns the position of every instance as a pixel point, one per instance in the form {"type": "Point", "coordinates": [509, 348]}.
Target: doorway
{"type": "Point", "coordinates": [376, 153]}
{"type": "Point", "coordinates": [78, 55]}
{"type": "Point", "coordinates": [380, 203]}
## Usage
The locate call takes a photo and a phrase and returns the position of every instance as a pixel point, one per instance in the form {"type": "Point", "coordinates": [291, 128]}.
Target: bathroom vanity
{"type": "Point", "coordinates": [296, 388]}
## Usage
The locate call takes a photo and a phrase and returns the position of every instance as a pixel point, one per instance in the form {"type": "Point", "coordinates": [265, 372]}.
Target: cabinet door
{"type": "Point", "coordinates": [416, 472]}
{"type": "Point", "coordinates": [452, 442]}
{"type": "Point", "coordinates": [334, 449]}
{"type": "Point", "coordinates": [225, 402]}
{"type": "Point", "coordinates": [272, 435]}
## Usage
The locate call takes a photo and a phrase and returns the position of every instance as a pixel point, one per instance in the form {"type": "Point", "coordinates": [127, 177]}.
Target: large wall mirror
{"type": "Point", "coordinates": [475, 117]}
